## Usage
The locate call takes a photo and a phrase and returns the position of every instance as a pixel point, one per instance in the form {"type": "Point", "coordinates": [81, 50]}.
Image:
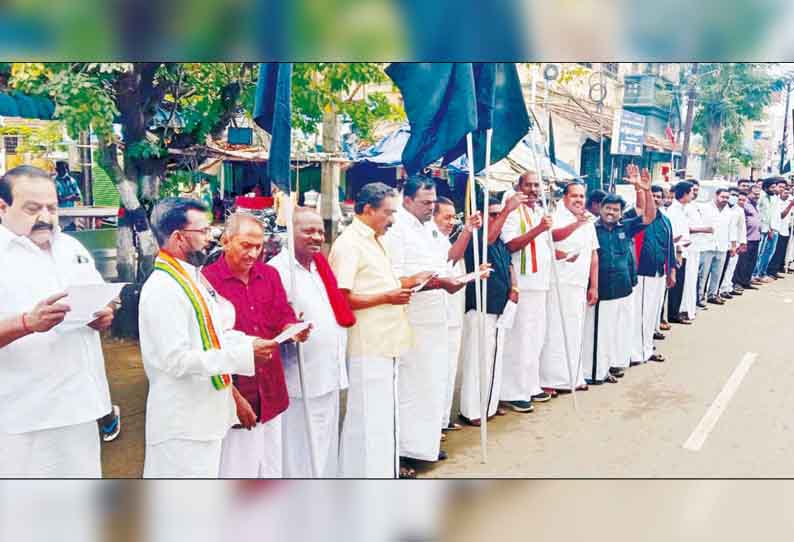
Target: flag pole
{"type": "Point", "coordinates": [479, 305]}
{"type": "Point", "coordinates": [298, 346]}
{"type": "Point", "coordinates": [554, 272]}
{"type": "Point", "coordinates": [484, 399]}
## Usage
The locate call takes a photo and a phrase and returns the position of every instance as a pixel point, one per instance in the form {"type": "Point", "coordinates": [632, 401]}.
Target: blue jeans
{"type": "Point", "coordinates": [765, 252]}
{"type": "Point", "coordinates": [712, 263]}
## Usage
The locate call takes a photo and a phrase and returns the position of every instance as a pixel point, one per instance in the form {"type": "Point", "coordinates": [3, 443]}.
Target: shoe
{"type": "Point", "coordinates": [716, 301]}
{"type": "Point", "coordinates": [726, 296]}
{"type": "Point", "coordinates": [617, 372]}
{"type": "Point", "coordinates": [702, 305]}
{"type": "Point", "coordinates": [737, 292]}
{"type": "Point", "coordinates": [520, 406]}
{"type": "Point", "coordinates": [658, 336]}
{"type": "Point", "coordinates": [750, 287]}
{"type": "Point", "coordinates": [776, 276]}
{"type": "Point", "coordinates": [111, 431]}
{"type": "Point", "coordinates": [541, 397]}
{"type": "Point", "coordinates": [681, 320]}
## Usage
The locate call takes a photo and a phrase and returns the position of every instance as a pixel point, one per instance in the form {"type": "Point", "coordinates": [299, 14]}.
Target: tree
{"type": "Point", "coordinates": [730, 94]}
{"type": "Point", "coordinates": [94, 96]}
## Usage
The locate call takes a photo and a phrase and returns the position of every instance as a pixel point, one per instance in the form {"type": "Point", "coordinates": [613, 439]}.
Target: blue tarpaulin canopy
{"type": "Point", "coordinates": [16, 104]}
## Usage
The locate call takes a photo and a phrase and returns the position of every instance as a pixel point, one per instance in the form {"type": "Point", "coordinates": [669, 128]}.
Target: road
{"type": "Point", "coordinates": [636, 428]}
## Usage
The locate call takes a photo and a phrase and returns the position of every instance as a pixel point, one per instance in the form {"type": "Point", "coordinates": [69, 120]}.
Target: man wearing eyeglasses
{"type": "Point", "coordinates": [189, 350]}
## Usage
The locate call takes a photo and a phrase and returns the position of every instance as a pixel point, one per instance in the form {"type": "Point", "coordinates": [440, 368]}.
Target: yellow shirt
{"type": "Point", "coordinates": [363, 266]}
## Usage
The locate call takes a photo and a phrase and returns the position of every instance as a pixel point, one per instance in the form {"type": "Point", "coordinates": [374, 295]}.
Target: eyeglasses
{"type": "Point", "coordinates": [203, 231]}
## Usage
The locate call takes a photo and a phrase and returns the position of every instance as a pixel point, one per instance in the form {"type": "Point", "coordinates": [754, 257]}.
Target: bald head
{"type": "Point", "coordinates": [242, 241]}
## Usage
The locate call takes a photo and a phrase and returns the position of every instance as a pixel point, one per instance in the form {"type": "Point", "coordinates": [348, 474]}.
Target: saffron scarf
{"type": "Point", "coordinates": [209, 338]}
{"type": "Point", "coordinates": [526, 222]}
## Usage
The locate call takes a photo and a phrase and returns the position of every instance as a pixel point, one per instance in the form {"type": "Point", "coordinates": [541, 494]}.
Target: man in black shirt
{"type": "Point", "coordinates": [501, 287]}
{"type": "Point", "coordinates": [605, 348]}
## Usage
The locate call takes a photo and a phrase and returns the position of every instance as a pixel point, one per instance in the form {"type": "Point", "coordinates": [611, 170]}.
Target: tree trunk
{"type": "Point", "coordinates": [690, 115]}
{"type": "Point", "coordinates": [713, 151]}
{"type": "Point", "coordinates": [330, 173]}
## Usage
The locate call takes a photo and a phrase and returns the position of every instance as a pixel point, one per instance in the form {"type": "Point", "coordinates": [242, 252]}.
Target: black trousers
{"type": "Point", "coordinates": [746, 264]}
{"type": "Point", "coordinates": [676, 293]}
{"type": "Point", "coordinates": [779, 257]}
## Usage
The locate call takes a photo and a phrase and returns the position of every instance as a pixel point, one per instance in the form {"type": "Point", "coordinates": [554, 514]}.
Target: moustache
{"type": "Point", "coordinates": [42, 226]}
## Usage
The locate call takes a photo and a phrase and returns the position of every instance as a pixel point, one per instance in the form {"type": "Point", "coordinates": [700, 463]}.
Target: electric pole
{"type": "Point", "coordinates": [690, 115]}
{"type": "Point", "coordinates": [785, 127]}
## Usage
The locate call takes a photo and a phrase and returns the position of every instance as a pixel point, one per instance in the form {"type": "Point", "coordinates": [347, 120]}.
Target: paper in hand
{"type": "Point", "coordinates": [291, 331]}
{"type": "Point", "coordinates": [85, 301]}
{"type": "Point", "coordinates": [470, 277]}
{"type": "Point", "coordinates": [422, 284]}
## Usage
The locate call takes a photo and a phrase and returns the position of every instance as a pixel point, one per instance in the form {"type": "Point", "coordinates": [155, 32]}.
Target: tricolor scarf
{"type": "Point", "coordinates": [526, 223]}
{"type": "Point", "coordinates": [209, 338]}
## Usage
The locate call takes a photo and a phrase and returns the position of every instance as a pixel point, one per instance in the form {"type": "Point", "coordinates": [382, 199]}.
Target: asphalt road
{"type": "Point", "coordinates": [636, 428]}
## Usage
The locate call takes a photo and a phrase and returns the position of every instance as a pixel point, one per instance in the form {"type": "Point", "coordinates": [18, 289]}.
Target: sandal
{"type": "Point", "coordinates": [664, 326]}
{"type": "Point", "coordinates": [453, 427]}
{"type": "Point", "coordinates": [611, 379]}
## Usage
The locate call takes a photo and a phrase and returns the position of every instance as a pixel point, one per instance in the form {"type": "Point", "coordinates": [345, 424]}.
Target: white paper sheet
{"type": "Point", "coordinates": [470, 277]}
{"type": "Point", "coordinates": [291, 331]}
{"type": "Point", "coordinates": [85, 301]}
{"type": "Point", "coordinates": [508, 317]}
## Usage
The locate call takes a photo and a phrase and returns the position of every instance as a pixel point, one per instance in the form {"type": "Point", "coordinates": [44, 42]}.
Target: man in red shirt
{"type": "Point", "coordinates": [253, 449]}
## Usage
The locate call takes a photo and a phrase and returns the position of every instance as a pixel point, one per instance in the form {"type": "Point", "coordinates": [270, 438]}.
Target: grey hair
{"type": "Point", "coordinates": [170, 215]}
{"type": "Point", "coordinates": [373, 194]}
{"type": "Point", "coordinates": [235, 222]}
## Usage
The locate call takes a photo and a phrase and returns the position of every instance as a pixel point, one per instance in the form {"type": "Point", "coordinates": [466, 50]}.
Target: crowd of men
{"type": "Point", "coordinates": [571, 297]}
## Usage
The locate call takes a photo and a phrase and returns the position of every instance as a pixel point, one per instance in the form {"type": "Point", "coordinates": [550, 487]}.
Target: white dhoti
{"type": "Point", "coordinates": [325, 424]}
{"type": "Point", "coordinates": [470, 388]}
{"type": "Point", "coordinates": [253, 454]}
{"type": "Point", "coordinates": [523, 345]}
{"type": "Point", "coordinates": [648, 296]}
{"type": "Point", "coordinates": [370, 434]}
{"type": "Point", "coordinates": [454, 338]}
{"type": "Point", "coordinates": [727, 281]}
{"type": "Point", "coordinates": [182, 458]}
{"type": "Point", "coordinates": [423, 381]}
{"type": "Point", "coordinates": [553, 365]}
{"type": "Point", "coordinates": [604, 345]}
{"type": "Point", "coordinates": [690, 293]}
{"type": "Point", "coordinates": [62, 452]}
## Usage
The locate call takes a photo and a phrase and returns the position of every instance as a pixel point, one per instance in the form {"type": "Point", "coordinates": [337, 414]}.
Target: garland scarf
{"type": "Point", "coordinates": [209, 338]}
{"type": "Point", "coordinates": [526, 222]}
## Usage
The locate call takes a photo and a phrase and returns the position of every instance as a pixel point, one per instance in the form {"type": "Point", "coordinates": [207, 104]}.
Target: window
{"type": "Point", "coordinates": [611, 68]}
{"type": "Point", "coordinates": [632, 89]}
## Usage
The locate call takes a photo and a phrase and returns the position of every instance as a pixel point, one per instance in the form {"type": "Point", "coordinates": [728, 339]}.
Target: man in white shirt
{"type": "Point", "coordinates": [782, 226]}
{"type": "Point", "coordinates": [424, 368]}
{"type": "Point", "coordinates": [715, 247]}
{"type": "Point", "coordinates": [577, 276]}
{"type": "Point", "coordinates": [678, 219]}
{"type": "Point", "coordinates": [54, 383]}
{"type": "Point", "coordinates": [189, 350]}
{"type": "Point", "coordinates": [736, 201]}
{"type": "Point", "coordinates": [444, 220]}
{"type": "Point", "coordinates": [526, 235]}
{"type": "Point", "coordinates": [323, 355]}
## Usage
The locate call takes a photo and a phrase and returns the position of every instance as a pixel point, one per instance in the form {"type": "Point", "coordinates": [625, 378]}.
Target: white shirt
{"type": "Point", "coordinates": [722, 222]}
{"type": "Point", "coordinates": [182, 402]}
{"type": "Point", "coordinates": [739, 223]}
{"type": "Point", "coordinates": [582, 241]}
{"type": "Point", "coordinates": [528, 280]}
{"type": "Point", "coordinates": [413, 249]}
{"type": "Point", "coordinates": [455, 303]}
{"type": "Point", "coordinates": [57, 378]}
{"type": "Point", "coordinates": [700, 217]}
{"type": "Point", "coordinates": [678, 220]}
{"type": "Point", "coordinates": [776, 208]}
{"type": "Point", "coordinates": [324, 352]}
{"type": "Point", "coordinates": [788, 220]}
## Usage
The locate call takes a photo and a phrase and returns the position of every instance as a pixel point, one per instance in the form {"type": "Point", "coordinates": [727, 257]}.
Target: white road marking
{"type": "Point", "coordinates": [706, 425]}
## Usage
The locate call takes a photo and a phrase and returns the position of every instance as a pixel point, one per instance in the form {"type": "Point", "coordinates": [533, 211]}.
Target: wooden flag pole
{"type": "Point", "coordinates": [478, 286]}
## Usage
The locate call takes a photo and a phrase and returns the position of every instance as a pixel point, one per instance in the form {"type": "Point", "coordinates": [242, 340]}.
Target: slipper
{"type": "Point", "coordinates": [664, 326]}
